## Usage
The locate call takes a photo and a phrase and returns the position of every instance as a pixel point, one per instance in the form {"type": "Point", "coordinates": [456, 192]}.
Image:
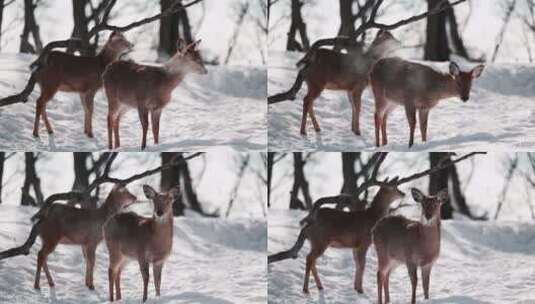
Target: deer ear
{"type": "Point", "coordinates": [150, 193]}
{"type": "Point", "coordinates": [454, 69]}
{"type": "Point", "coordinates": [417, 195]}
{"type": "Point", "coordinates": [476, 72]}
{"type": "Point", "coordinates": [180, 44]}
{"type": "Point", "coordinates": [442, 195]}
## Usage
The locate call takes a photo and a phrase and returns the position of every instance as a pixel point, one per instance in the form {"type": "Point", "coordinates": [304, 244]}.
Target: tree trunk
{"type": "Point", "coordinates": [1, 19]}
{"type": "Point", "coordinates": [30, 27]}
{"type": "Point", "coordinates": [347, 24]}
{"type": "Point", "coordinates": [171, 178]}
{"type": "Point", "coordinates": [436, 44]}
{"type": "Point", "coordinates": [300, 183]}
{"type": "Point", "coordinates": [173, 27]}
{"type": "Point", "coordinates": [81, 30]}
{"type": "Point", "coordinates": [440, 180]}
{"type": "Point", "coordinates": [270, 159]}
{"type": "Point", "coordinates": [455, 36]}
{"type": "Point", "coordinates": [31, 180]}
{"type": "Point", "coordinates": [349, 174]}
{"type": "Point", "coordinates": [297, 24]}
{"type": "Point", "coordinates": [2, 160]}
{"type": "Point", "coordinates": [81, 180]}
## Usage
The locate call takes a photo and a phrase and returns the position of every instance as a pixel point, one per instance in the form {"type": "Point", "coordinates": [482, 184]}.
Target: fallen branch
{"type": "Point", "coordinates": [80, 195]}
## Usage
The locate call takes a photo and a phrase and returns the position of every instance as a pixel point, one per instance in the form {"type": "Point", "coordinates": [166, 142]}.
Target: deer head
{"type": "Point", "coordinates": [120, 197]}
{"type": "Point", "coordinates": [430, 204]}
{"type": "Point", "coordinates": [163, 202]}
{"type": "Point", "coordinates": [118, 43]}
{"type": "Point", "coordinates": [383, 43]}
{"type": "Point", "coordinates": [463, 80]}
{"type": "Point", "coordinates": [187, 59]}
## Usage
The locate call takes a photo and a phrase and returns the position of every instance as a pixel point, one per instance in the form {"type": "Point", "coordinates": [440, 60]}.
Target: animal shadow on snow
{"type": "Point", "coordinates": [458, 300]}
{"type": "Point", "coordinates": [190, 297]}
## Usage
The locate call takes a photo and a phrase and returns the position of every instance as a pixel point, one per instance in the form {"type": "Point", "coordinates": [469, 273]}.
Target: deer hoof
{"type": "Point", "coordinates": [91, 286]}
{"type": "Point", "coordinates": [36, 287]}
{"type": "Point", "coordinates": [359, 290]}
{"type": "Point", "coordinates": [35, 134]}
{"type": "Point", "coordinates": [305, 291]}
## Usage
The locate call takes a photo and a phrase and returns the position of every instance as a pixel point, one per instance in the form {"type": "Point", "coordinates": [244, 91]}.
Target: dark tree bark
{"type": "Point", "coordinates": [81, 28]}
{"type": "Point", "coordinates": [348, 170]}
{"type": "Point", "coordinates": [441, 180]}
{"type": "Point", "coordinates": [173, 27]}
{"type": "Point", "coordinates": [2, 160]}
{"type": "Point", "coordinates": [30, 27]}
{"type": "Point", "coordinates": [456, 39]}
{"type": "Point", "coordinates": [270, 159]}
{"type": "Point", "coordinates": [171, 178]}
{"type": "Point", "coordinates": [347, 22]}
{"type": "Point", "coordinates": [300, 183]}
{"type": "Point", "coordinates": [81, 180]}
{"type": "Point", "coordinates": [2, 3]}
{"type": "Point", "coordinates": [31, 180]}
{"type": "Point", "coordinates": [436, 44]}
{"type": "Point", "coordinates": [297, 25]}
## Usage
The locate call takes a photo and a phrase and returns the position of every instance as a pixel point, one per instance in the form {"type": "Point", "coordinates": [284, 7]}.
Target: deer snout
{"type": "Point", "coordinates": [159, 212]}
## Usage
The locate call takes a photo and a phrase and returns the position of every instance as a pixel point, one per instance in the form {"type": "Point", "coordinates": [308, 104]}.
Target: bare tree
{"type": "Point", "coordinates": [300, 183]}
{"type": "Point", "coordinates": [510, 7]}
{"type": "Point", "coordinates": [348, 171]}
{"type": "Point", "coordinates": [442, 179]}
{"type": "Point", "coordinates": [297, 25]}
{"type": "Point", "coordinates": [3, 4]}
{"type": "Point", "coordinates": [2, 161]}
{"type": "Point", "coordinates": [30, 27]}
{"type": "Point", "coordinates": [173, 27]}
{"type": "Point", "coordinates": [242, 10]}
{"type": "Point", "coordinates": [243, 163]}
{"type": "Point", "coordinates": [31, 180]}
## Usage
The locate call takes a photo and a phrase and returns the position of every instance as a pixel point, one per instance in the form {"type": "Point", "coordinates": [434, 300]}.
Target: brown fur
{"type": "Point", "coordinates": [147, 88]}
{"type": "Point", "coordinates": [148, 240]}
{"type": "Point", "coordinates": [81, 74]}
{"type": "Point", "coordinates": [74, 226]}
{"type": "Point", "coordinates": [416, 244]}
{"type": "Point", "coordinates": [417, 87]}
{"type": "Point", "coordinates": [339, 229]}
{"type": "Point", "coordinates": [349, 72]}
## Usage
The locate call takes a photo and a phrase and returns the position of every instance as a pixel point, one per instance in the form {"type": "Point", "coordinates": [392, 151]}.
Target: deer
{"type": "Point", "coordinates": [327, 227]}
{"type": "Point", "coordinates": [418, 88]}
{"type": "Point", "coordinates": [63, 224]}
{"type": "Point", "coordinates": [80, 74]}
{"type": "Point", "coordinates": [147, 88]}
{"type": "Point", "coordinates": [400, 240]}
{"type": "Point", "coordinates": [149, 240]}
{"type": "Point", "coordinates": [333, 70]}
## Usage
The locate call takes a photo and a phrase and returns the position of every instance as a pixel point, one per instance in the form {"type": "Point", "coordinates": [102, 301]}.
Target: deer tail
{"type": "Point", "coordinates": [292, 252]}
{"type": "Point", "coordinates": [41, 214]}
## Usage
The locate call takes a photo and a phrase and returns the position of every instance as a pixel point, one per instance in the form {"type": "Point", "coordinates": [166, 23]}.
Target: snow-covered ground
{"type": "Point", "coordinates": [500, 115]}
{"type": "Point", "coordinates": [480, 262]}
{"type": "Point", "coordinates": [227, 107]}
{"type": "Point", "coordinates": [213, 261]}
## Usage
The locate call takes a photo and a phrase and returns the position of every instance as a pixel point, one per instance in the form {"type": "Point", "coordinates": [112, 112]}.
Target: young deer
{"type": "Point", "coordinates": [417, 244]}
{"type": "Point", "coordinates": [68, 225]}
{"type": "Point", "coordinates": [149, 240]}
{"type": "Point", "coordinates": [339, 229]}
{"type": "Point", "coordinates": [81, 74]}
{"type": "Point", "coordinates": [147, 88]}
{"type": "Point", "coordinates": [417, 87]}
{"type": "Point", "coordinates": [328, 69]}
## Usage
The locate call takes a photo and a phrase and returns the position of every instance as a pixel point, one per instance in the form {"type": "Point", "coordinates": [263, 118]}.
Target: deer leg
{"type": "Point", "coordinates": [39, 108]}
{"type": "Point", "coordinates": [423, 115]}
{"type": "Point", "coordinates": [118, 282]}
{"type": "Point", "coordinates": [387, 112]}
{"type": "Point", "coordinates": [410, 111]}
{"type": "Point", "coordinates": [113, 269]}
{"type": "Point", "coordinates": [426, 275]}
{"type": "Point", "coordinates": [155, 120]}
{"type": "Point", "coordinates": [378, 124]}
{"type": "Point", "coordinates": [144, 267]}
{"type": "Point", "coordinates": [116, 122]}
{"type": "Point", "coordinates": [144, 119]}
{"type": "Point", "coordinates": [316, 276]}
{"type": "Point", "coordinates": [359, 255]}
{"type": "Point", "coordinates": [414, 281]}
{"type": "Point", "coordinates": [110, 131]}
{"type": "Point", "coordinates": [356, 96]}
{"type": "Point", "coordinates": [47, 273]}
{"type": "Point", "coordinates": [157, 272]}
{"type": "Point", "coordinates": [48, 247]}
{"type": "Point", "coordinates": [313, 118]}
{"type": "Point", "coordinates": [88, 102]}
{"type": "Point", "coordinates": [308, 102]}
{"type": "Point", "coordinates": [90, 265]}
{"type": "Point", "coordinates": [386, 286]}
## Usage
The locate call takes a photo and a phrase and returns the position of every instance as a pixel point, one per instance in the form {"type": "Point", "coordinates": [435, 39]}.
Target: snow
{"type": "Point", "coordinates": [225, 108]}
{"type": "Point", "coordinates": [499, 115]}
{"type": "Point", "coordinates": [213, 261]}
{"type": "Point", "coordinates": [480, 262]}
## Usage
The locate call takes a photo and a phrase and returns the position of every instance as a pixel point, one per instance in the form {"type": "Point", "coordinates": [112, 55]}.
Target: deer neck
{"type": "Point", "coordinates": [164, 225]}
{"type": "Point", "coordinates": [448, 88]}
{"type": "Point", "coordinates": [380, 204]}
{"type": "Point", "coordinates": [107, 55]}
{"type": "Point", "coordinates": [431, 232]}
{"type": "Point", "coordinates": [107, 210]}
